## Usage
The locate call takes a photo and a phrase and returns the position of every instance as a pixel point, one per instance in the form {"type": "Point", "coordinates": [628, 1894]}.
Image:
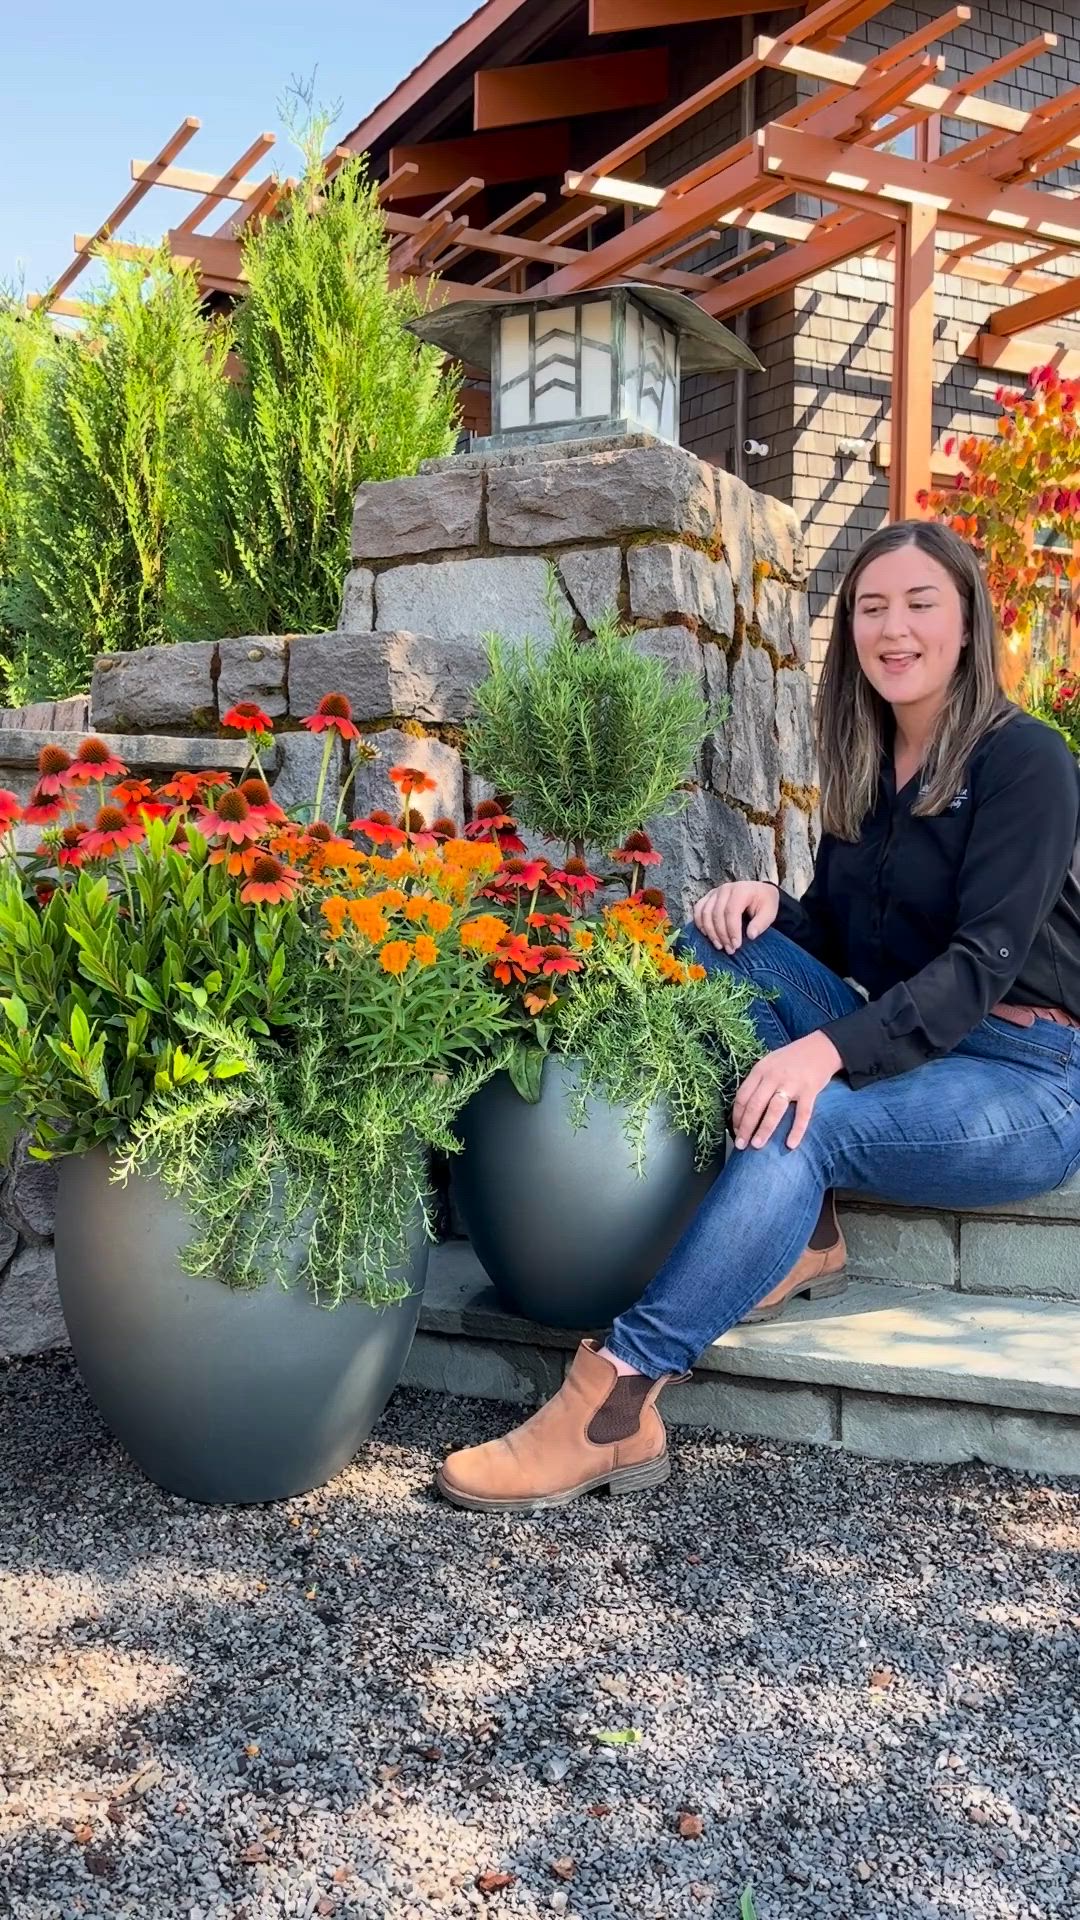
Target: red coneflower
{"type": "Point", "coordinates": [558, 960]}
{"type": "Point", "coordinates": [230, 818]}
{"type": "Point", "coordinates": [335, 711]}
{"type": "Point", "coordinates": [261, 800]}
{"type": "Point", "coordinates": [53, 763]}
{"type": "Point", "coordinates": [319, 830]}
{"type": "Point", "coordinates": [444, 828]}
{"type": "Point", "coordinates": [112, 830]}
{"type": "Point", "coordinates": [492, 822]}
{"type": "Point", "coordinates": [45, 808]}
{"type": "Point", "coordinates": [69, 850]}
{"type": "Point", "coordinates": [418, 830]}
{"type": "Point", "coordinates": [558, 922]}
{"type": "Point", "coordinates": [410, 780]}
{"type": "Point", "coordinates": [380, 828]}
{"type": "Point", "coordinates": [246, 717]}
{"type": "Point", "coordinates": [270, 881]}
{"type": "Point", "coordinates": [575, 878]}
{"type": "Point", "coordinates": [637, 850]}
{"type": "Point", "coordinates": [650, 897]}
{"type": "Point", "coordinates": [10, 810]}
{"type": "Point", "coordinates": [95, 760]}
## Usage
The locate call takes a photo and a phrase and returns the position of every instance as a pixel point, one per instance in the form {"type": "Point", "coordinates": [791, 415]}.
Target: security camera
{"type": "Point", "coordinates": [756, 448]}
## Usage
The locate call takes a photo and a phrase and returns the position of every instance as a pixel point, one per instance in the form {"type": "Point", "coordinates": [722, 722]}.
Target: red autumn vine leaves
{"type": "Point", "coordinates": [1026, 476]}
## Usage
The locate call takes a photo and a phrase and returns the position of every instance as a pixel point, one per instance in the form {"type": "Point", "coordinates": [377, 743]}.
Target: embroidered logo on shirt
{"type": "Point", "coordinates": [958, 800]}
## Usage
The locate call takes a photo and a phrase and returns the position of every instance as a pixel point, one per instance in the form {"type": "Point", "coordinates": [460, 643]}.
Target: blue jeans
{"type": "Point", "coordinates": [997, 1120]}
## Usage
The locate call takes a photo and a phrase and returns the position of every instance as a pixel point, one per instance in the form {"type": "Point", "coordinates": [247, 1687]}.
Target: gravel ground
{"type": "Point", "coordinates": [856, 1685]}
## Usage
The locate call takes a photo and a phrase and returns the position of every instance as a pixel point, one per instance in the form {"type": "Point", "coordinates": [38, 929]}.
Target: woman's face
{"type": "Point", "coordinates": [908, 627]}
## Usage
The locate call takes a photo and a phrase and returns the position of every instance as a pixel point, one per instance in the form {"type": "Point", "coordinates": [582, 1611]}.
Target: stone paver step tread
{"type": "Point", "coordinates": [928, 1343]}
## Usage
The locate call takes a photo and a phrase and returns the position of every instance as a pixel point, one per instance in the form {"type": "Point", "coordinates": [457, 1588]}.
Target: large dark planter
{"type": "Point", "coordinates": [219, 1395]}
{"type": "Point", "coordinates": [568, 1233]}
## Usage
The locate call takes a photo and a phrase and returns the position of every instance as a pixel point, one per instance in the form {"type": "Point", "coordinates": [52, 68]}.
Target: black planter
{"type": "Point", "coordinates": [567, 1232]}
{"type": "Point", "coordinates": [219, 1395]}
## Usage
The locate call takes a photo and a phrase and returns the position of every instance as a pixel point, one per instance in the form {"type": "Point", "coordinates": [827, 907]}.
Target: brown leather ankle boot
{"type": "Point", "coordinates": [818, 1274]}
{"type": "Point", "coordinates": [601, 1429]}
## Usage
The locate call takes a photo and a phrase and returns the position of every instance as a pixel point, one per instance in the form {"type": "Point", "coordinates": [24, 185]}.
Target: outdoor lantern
{"type": "Point", "coordinates": [604, 362]}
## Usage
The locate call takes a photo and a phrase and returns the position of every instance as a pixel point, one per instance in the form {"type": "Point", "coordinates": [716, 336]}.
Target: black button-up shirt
{"type": "Point", "coordinates": [940, 918]}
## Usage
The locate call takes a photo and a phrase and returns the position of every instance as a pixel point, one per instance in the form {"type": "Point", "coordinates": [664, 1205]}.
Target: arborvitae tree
{"type": "Point", "coordinates": [332, 391]}
{"type": "Point", "coordinates": [26, 344]}
{"type": "Point", "coordinates": [98, 500]}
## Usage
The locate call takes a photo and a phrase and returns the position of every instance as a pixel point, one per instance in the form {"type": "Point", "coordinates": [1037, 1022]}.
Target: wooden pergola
{"type": "Point", "coordinates": [952, 214]}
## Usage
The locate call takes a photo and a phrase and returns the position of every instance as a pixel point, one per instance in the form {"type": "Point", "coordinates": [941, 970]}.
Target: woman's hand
{"type": "Point", "coordinates": [793, 1074]}
{"type": "Point", "coordinates": [719, 915]}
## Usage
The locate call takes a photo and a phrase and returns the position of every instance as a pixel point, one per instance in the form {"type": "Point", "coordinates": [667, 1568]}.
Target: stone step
{"type": "Point", "coordinates": [1028, 1249]}
{"type": "Point", "coordinates": [896, 1372]}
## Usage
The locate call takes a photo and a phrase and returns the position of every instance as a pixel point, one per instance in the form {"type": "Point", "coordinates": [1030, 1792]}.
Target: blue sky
{"type": "Point", "coordinates": [85, 89]}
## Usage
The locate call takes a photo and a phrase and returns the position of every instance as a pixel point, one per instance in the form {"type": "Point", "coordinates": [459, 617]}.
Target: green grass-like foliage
{"type": "Point", "coordinates": [640, 1043]}
{"type": "Point", "coordinates": [96, 474]}
{"type": "Point", "coordinates": [334, 392]}
{"type": "Point", "coordinates": [591, 737]}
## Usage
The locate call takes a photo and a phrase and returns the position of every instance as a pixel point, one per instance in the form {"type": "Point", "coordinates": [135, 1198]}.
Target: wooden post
{"type": "Point", "coordinates": [913, 361]}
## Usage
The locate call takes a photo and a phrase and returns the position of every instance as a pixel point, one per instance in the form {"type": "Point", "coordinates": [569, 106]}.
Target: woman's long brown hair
{"type": "Point", "coordinates": [852, 717]}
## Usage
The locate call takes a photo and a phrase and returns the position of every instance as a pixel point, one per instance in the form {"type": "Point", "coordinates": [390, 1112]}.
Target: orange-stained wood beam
{"type": "Point", "coordinates": [913, 362]}
{"type": "Point", "coordinates": [498, 157]}
{"type": "Point", "coordinates": [501, 224]}
{"type": "Point", "coordinates": [190, 180]}
{"type": "Point", "coordinates": [1038, 310]}
{"type": "Point", "coordinates": [257, 151]}
{"type": "Point", "coordinates": [799, 263]}
{"type": "Point", "coordinates": [960, 194]}
{"type": "Point", "coordinates": [817, 22]}
{"type": "Point", "coordinates": [561, 89]}
{"type": "Point", "coordinates": [1019, 356]}
{"type": "Point", "coordinates": [673, 222]}
{"type": "Point", "coordinates": [174, 144]}
{"type": "Point", "coordinates": [631, 16]}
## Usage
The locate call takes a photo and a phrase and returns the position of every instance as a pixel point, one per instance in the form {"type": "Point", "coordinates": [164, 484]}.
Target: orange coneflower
{"type": "Point", "coordinates": [270, 881]}
{"type": "Point", "coordinates": [230, 818]}
{"type": "Point", "coordinates": [95, 760]}
{"type": "Point", "coordinates": [113, 829]}
{"type": "Point", "coordinates": [558, 922]}
{"type": "Point", "coordinates": [558, 960]}
{"type": "Point", "coordinates": [410, 780]}
{"type": "Point", "coordinates": [138, 796]}
{"type": "Point", "coordinates": [335, 711]}
{"type": "Point", "coordinates": [69, 850]}
{"type": "Point", "coordinates": [53, 763]}
{"type": "Point", "coordinates": [10, 810]}
{"type": "Point", "coordinates": [515, 959]}
{"type": "Point", "coordinates": [246, 717]}
{"type": "Point", "coordinates": [185, 787]}
{"type": "Point", "coordinates": [235, 860]}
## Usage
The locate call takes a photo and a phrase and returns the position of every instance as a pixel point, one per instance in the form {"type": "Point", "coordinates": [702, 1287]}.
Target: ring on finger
{"type": "Point", "coordinates": [781, 1093]}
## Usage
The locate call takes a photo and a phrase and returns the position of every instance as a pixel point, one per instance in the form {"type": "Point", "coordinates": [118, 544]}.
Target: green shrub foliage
{"type": "Point", "coordinates": [334, 391]}
{"type": "Point", "coordinates": [96, 477]}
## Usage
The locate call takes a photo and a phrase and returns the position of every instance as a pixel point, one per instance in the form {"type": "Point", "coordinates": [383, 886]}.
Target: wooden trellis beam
{"type": "Point", "coordinates": [175, 144]}
{"type": "Point", "coordinates": [251, 156]}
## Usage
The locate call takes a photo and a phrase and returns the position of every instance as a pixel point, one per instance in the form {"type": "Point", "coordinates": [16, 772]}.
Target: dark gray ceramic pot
{"type": "Point", "coordinates": [567, 1232]}
{"type": "Point", "coordinates": [219, 1395]}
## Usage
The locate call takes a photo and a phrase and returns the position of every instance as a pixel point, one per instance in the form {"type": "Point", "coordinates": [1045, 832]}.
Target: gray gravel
{"type": "Point", "coordinates": [862, 1678]}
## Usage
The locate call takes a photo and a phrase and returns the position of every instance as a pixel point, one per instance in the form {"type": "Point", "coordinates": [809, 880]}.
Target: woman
{"type": "Point", "coordinates": [947, 885]}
